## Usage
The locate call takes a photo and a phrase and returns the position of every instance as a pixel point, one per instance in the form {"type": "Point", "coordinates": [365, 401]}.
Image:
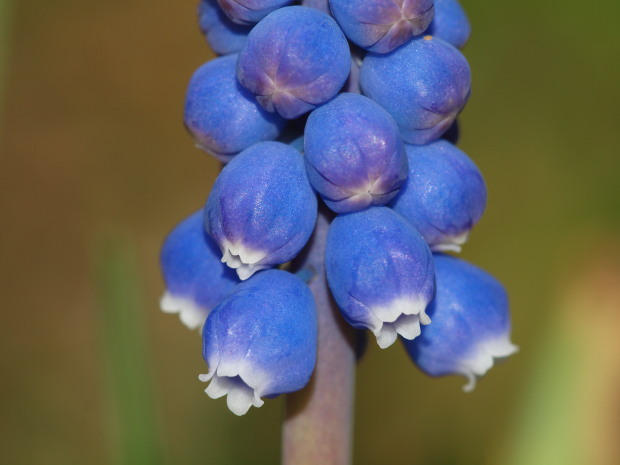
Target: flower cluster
{"type": "Point", "coordinates": [353, 104]}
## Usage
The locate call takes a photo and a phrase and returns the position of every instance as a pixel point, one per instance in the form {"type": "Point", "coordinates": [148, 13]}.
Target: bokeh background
{"type": "Point", "coordinates": [96, 167]}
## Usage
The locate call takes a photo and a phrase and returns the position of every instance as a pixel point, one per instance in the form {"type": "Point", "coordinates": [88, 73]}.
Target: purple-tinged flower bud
{"type": "Point", "coordinates": [260, 341]}
{"type": "Point", "coordinates": [222, 35]}
{"type": "Point", "coordinates": [294, 60]}
{"type": "Point", "coordinates": [471, 323]}
{"type": "Point", "coordinates": [250, 11]}
{"type": "Point", "coordinates": [444, 195]}
{"type": "Point", "coordinates": [382, 25]}
{"type": "Point", "coordinates": [424, 85]}
{"type": "Point", "coordinates": [380, 272]}
{"type": "Point", "coordinates": [196, 280]}
{"type": "Point", "coordinates": [450, 23]}
{"type": "Point", "coordinates": [222, 116]}
{"type": "Point", "coordinates": [262, 209]}
{"type": "Point", "coordinates": [355, 156]}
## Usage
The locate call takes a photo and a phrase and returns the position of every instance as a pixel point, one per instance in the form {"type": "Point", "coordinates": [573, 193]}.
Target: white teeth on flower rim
{"type": "Point", "coordinates": [482, 357]}
{"type": "Point", "coordinates": [451, 243]}
{"type": "Point", "coordinates": [191, 315]}
{"type": "Point", "coordinates": [242, 384]}
{"type": "Point", "coordinates": [242, 259]}
{"type": "Point", "coordinates": [402, 316]}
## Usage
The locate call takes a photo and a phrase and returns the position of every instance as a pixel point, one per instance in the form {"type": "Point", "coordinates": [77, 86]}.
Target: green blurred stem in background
{"type": "Point", "coordinates": [130, 412]}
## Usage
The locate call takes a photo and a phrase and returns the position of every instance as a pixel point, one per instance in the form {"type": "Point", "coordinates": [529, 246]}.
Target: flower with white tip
{"type": "Point", "coordinates": [471, 323]}
{"type": "Point", "coordinates": [196, 280]}
{"type": "Point", "coordinates": [380, 272]}
{"type": "Point", "coordinates": [262, 209]}
{"type": "Point", "coordinates": [260, 341]}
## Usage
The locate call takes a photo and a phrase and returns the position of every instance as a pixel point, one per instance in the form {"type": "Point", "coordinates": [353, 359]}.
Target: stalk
{"type": "Point", "coordinates": [317, 427]}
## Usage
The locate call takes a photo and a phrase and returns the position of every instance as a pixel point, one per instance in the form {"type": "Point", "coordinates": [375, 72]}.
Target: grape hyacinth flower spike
{"type": "Point", "coordinates": [471, 323]}
{"type": "Point", "coordinates": [260, 341]}
{"type": "Point", "coordinates": [196, 280]}
{"type": "Point", "coordinates": [262, 209]}
{"type": "Point", "coordinates": [444, 195]}
{"type": "Point", "coordinates": [221, 115]}
{"type": "Point", "coordinates": [380, 26]}
{"type": "Point", "coordinates": [380, 272]}
{"type": "Point", "coordinates": [423, 84]}
{"type": "Point", "coordinates": [294, 60]}
{"type": "Point", "coordinates": [355, 156]}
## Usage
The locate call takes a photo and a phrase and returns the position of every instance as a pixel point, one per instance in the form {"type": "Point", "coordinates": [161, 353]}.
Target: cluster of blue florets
{"type": "Point", "coordinates": [347, 99]}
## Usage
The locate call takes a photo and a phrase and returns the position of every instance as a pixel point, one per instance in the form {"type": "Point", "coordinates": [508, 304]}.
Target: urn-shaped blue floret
{"type": "Point", "coordinates": [450, 23]}
{"type": "Point", "coordinates": [196, 280]}
{"type": "Point", "coordinates": [222, 35]}
{"type": "Point", "coordinates": [471, 323]}
{"type": "Point", "coordinates": [294, 60]}
{"type": "Point", "coordinates": [262, 209]}
{"type": "Point", "coordinates": [382, 25]}
{"type": "Point", "coordinates": [250, 11]}
{"type": "Point", "coordinates": [222, 116]}
{"type": "Point", "coordinates": [355, 156]}
{"type": "Point", "coordinates": [424, 85]}
{"type": "Point", "coordinates": [380, 272]}
{"type": "Point", "coordinates": [444, 195]}
{"type": "Point", "coordinates": [260, 341]}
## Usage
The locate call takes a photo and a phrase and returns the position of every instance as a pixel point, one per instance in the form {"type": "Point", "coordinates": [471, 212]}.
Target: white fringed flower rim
{"type": "Point", "coordinates": [191, 315]}
{"type": "Point", "coordinates": [482, 358]}
{"type": "Point", "coordinates": [451, 243]}
{"type": "Point", "coordinates": [242, 259]}
{"type": "Point", "coordinates": [402, 316]}
{"type": "Point", "coordinates": [243, 385]}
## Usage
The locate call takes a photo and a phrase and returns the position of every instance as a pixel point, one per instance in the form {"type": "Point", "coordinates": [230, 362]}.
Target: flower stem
{"type": "Point", "coordinates": [318, 419]}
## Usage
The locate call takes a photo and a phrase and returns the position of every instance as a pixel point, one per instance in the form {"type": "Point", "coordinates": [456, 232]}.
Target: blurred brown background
{"type": "Point", "coordinates": [96, 167]}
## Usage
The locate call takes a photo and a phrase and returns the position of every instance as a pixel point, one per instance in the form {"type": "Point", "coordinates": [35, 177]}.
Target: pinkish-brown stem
{"type": "Point", "coordinates": [318, 420]}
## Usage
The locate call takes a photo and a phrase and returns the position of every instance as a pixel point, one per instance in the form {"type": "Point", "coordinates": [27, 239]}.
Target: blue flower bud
{"type": "Point", "coordinates": [223, 117]}
{"type": "Point", "coordinates": [380, 272]}
{"type": "Point", "coordinates": [260, 341]}
{"type": "Point", "coordinates": [250, 11]}
{"type": "Point", "coordinates": [222, 35]}
{"type": "Point", "coordinates": [262, 209]}
{"type": "Point", "coordinates": [423, 84]}
{"type": "Point", "coordinates": [355, 156]}
{"type": "Point", "coordinates": [382, 25]}
{"type": "Point", "coordinates": [196, 280]}
{"type": "Point", "coordinates": [294, 60]}
{"type": "Point", "coordinates": [450, 23]}
{"type": "Point", "coordinates": [444, 195]}
{"type": "Point", "coordinates": [471, 323]}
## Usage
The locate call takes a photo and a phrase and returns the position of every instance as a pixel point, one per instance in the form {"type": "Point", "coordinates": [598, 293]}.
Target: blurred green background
{"type": "Point", "coordinates": [97, 167]}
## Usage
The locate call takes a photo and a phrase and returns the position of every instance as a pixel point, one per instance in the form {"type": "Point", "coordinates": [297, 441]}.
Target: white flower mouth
{"type": "Point", "coordinates": [482, 358]}
{"type": "Point", "coordinates": [191, 315]}
{"type": "Point", "coordinates": [451, 243]}
{"type": "Point", "coordinates": [242, 390]}
{"type": "Point", "coordinates": [242, 259]}
{"type": "Point", "coordinates": [402, 316]}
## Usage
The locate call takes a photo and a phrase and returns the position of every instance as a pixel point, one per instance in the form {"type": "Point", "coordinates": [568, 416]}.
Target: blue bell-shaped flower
{"type": "Point", "coordinates": [196, 279]}
{"type": "Point", "coordinates": [444, 195]}
{"type": "Point", "coordinates": [380, 272]}
{"type": "Point", "coordinates": [260, 341]}
{"type": "Point", "coordinates": [262, 209]}
{"type": "Point", "coordinates": [355, 156]}
{"type": "Point", "coordinates": [471, 323]}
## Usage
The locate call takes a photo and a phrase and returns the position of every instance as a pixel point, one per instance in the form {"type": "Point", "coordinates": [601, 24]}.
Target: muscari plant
{"type": "Point", "coordinates": [342, 188]}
